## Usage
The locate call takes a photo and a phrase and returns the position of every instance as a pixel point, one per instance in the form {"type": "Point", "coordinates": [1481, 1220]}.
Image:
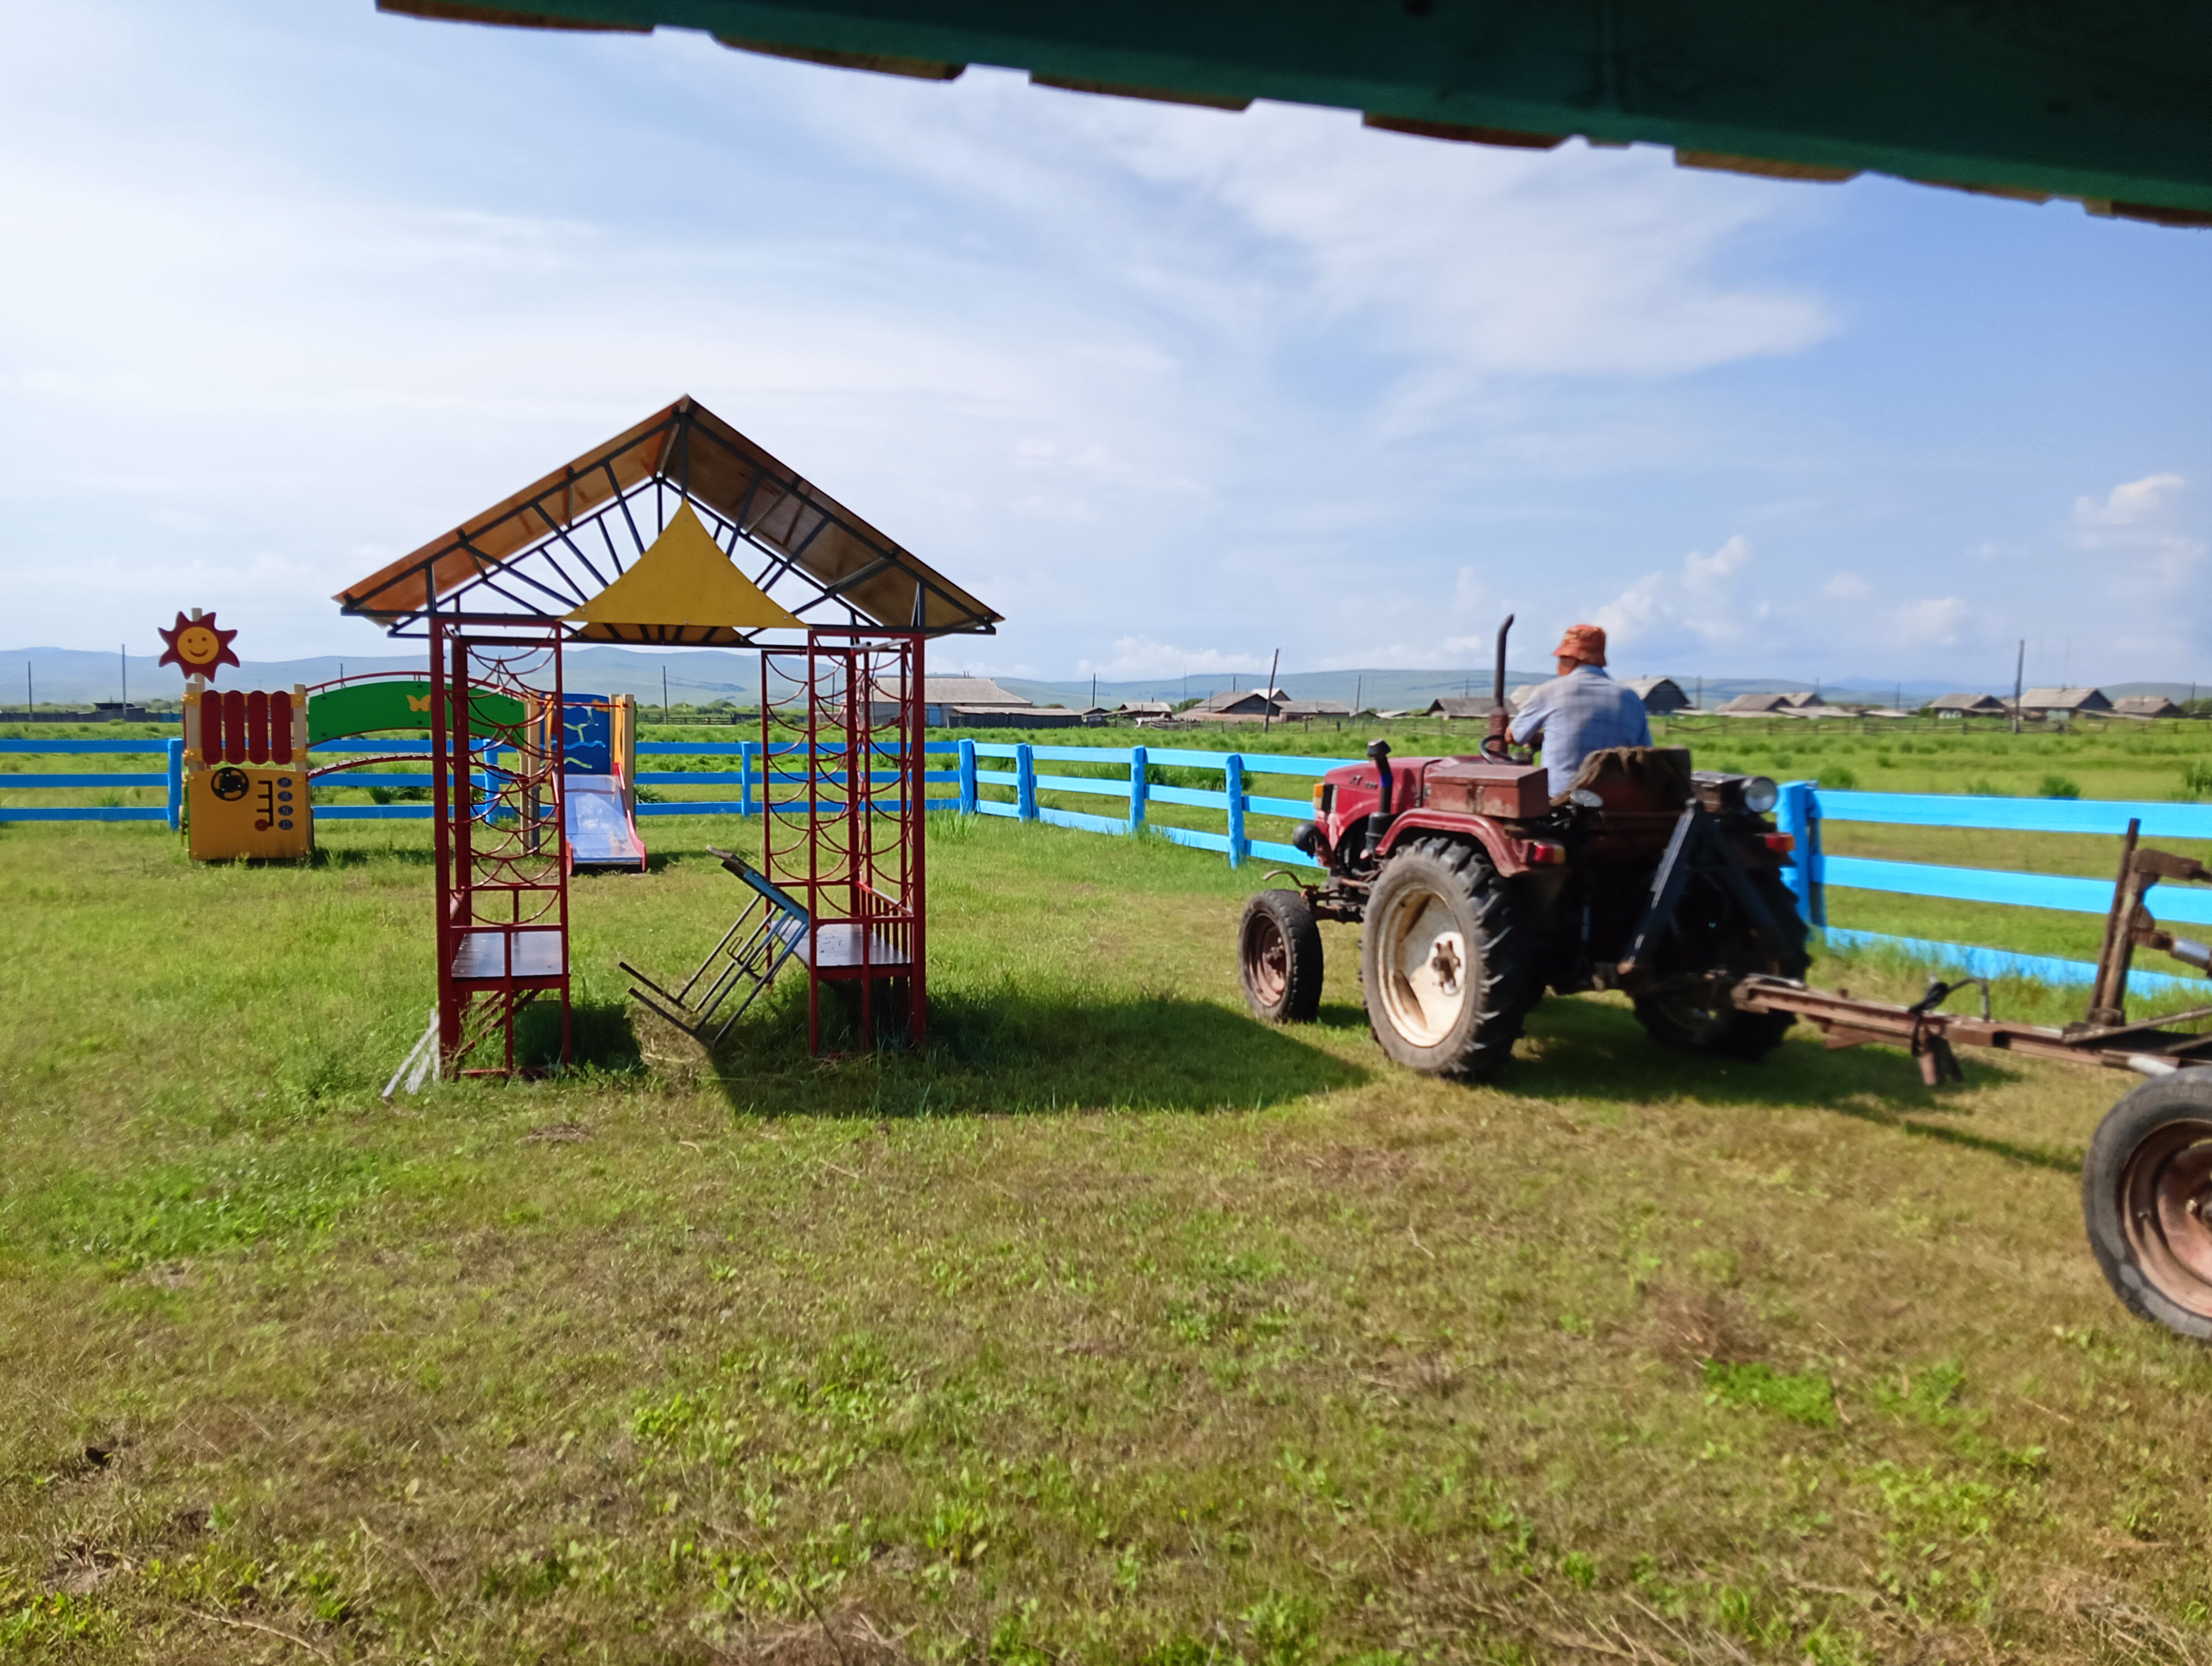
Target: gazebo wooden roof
{"type": "Point", "coordinates": [547, 552]}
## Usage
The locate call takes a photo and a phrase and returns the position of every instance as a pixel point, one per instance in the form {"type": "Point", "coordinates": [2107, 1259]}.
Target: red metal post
{"type": "Point", "coordinates": [502, 881]}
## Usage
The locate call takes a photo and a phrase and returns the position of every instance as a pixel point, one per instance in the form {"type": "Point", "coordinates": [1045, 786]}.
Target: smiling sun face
{"type": "Point", "coordinates": [198, 646]}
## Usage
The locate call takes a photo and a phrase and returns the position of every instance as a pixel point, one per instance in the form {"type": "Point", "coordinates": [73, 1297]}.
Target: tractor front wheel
{"type": "Point", "coordinates": [2147, 1200]}
{"type": "Point", "coordinates": [1279, 957]}
{"type": "Point", "coordinates": [1444, 961]}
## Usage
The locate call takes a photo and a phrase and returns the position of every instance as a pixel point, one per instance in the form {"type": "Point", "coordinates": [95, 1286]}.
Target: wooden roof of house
{"type": "Point", "coordinates": [1756, 705]}
{"type": "Point", "coordinates": [2145, 705]}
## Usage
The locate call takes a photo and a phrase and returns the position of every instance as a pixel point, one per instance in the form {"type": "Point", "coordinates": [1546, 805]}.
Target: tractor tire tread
{"type": "Point", "coordinates": [1504, 1000]}
{"type": "Point", "coordinates": [1301, 1002]}
{"type": "Point", "coordinates": [2157, 1104]}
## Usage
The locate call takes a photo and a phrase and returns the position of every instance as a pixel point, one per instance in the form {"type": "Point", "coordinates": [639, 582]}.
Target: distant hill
{"type": "Point", "coordinates": [698, 676]}
{"type": "Point", "coordinates": [1387, 690]}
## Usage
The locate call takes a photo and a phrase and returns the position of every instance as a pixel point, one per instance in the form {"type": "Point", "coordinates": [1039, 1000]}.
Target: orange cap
{"type": "Point", "coordinates": [1585, 643]}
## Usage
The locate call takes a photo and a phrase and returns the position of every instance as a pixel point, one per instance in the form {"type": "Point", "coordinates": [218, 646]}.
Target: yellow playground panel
{"type": "Point", "coordinates": [242, 810]}
{"type": "Point", "coordinates": [245, 783]}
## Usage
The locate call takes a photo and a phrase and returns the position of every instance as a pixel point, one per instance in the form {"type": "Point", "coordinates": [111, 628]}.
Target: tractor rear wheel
{"type": "Point", "coordinates": [1698, 1017]}
{"type": "Point", "coordinates": [1279, 956]}
{"type": "Point", "coordinates": [2147, 1200]}
{"type": "Point", "coordinates": [1444, 958]}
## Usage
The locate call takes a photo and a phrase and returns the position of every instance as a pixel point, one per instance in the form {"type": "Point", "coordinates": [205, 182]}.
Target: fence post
{"type": "Point", "coordinates": [1138, 796]}
{"type": "Point", "coordinates": [1232, 780]}
{"type": "Point", "coordinates": [1816, 864]}
{"type": "Point", "coordinates": [1798, 812]}
{"type": "Point", "coordinates": [968, 777]}
{"type": "Point", "coordinates": [1025, 781]}
{"type": "Point", "coordinates": [176, 784]}
{"type": "Point", "coordinates": [746, 776]}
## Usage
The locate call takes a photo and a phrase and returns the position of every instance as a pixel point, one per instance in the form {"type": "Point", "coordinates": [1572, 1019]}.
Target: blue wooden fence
{"type": "Point", "coordinates": [170, 777]}
{"type": "Point", "coordinates": [1137, 793]}
{"type": "Point", "coordinates": [1804, 808]}
{"type": "Point", "coordinates": [1013, 769]}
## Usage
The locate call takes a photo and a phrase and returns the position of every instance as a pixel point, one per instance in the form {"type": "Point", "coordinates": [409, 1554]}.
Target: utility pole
{"type": "Point", "coordinates": [2019, 668]}
{"type": "Point", "coordinates": [1360, 687]}
{"type": "Point", "coordinates": [123, 664]}
{"type": "Point", "coordinates": [1267, 696]}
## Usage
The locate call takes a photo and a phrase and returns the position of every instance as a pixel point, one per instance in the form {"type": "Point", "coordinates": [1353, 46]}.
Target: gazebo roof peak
{"type": "Point", "coordinates": [566, 547]}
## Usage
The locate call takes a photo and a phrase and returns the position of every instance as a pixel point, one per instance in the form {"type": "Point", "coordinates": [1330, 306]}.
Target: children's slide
{"type": "Point", "coordinates": [601, 832]}
{"type": "Point", "coordinates": [599, 778]}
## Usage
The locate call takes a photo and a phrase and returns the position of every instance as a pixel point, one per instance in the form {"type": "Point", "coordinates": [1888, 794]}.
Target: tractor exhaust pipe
{"type": "Point", "coordinates": [1499, 746]}
{"type": "Point", "coordinates": [1378, 821]}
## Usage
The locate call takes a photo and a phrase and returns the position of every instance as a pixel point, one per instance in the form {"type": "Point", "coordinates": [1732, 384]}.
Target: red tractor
{"type": "Point", "coordinates": [1476, 892]}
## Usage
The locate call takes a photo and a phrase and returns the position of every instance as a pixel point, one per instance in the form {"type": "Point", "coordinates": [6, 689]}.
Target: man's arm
{"type": "Point", "coordinates": [1528, 728]}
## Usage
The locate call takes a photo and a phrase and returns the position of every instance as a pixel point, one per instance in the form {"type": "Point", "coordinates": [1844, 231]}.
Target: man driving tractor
{"type": "Point", "coordinates": [1580, 711]}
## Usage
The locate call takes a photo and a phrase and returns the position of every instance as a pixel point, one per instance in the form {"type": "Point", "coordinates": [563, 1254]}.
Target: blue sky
{"type": "Point", "coordinates": [288, 288]}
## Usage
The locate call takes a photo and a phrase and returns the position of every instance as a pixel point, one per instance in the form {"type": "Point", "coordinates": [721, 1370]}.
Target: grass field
{"type": "Point", "coordinates": [1112, 1326]}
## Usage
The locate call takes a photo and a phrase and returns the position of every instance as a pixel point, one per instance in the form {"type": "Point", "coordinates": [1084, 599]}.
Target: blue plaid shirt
{"type": "Point", "coordinates": [1574, 716]}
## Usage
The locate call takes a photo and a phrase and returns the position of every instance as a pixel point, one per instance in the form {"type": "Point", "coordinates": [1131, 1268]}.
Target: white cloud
{"type": "Point", "coordinates": [1935, 622]}
{"type": "Point", "coordinates": [2134, 503]}
{"type": "Point", "coordinates": [1288, 218]}
{"type": "Point", "coordinates": [1700, 604]}
{"type": "Point", "coordinates": [2136, 525]}
{"type": "Point", "coordinates": [1135, 657]}
{"type": "Point", "coordinates": [1844, 587]}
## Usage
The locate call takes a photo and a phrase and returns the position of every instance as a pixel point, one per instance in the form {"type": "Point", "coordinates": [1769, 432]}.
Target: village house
{"type": "Point", "coordinates": [1967, 705]}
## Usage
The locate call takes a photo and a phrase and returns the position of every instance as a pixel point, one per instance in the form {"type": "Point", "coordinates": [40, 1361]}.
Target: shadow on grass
{"type": "Point", "coordinates": [601, 1036]}
{"type": "Point", "coordinates": [1594, 1050]}
{"type": "Point", "coordinates": [1008, 1053]}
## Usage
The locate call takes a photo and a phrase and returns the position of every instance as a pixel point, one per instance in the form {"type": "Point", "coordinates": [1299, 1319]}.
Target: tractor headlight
{"type": "Point", "coordinates": [1760, 795]}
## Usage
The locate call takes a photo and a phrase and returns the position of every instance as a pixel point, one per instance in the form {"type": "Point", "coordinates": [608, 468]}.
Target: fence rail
{"type": "Point", "coordinates": [993, 778]}
{"type": "Point", "coordinates": [2105, 817]}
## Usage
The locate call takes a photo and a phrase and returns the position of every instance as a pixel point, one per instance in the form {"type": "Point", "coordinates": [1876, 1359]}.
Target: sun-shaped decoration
{"type": "Point", "coordinates": [195, 647]}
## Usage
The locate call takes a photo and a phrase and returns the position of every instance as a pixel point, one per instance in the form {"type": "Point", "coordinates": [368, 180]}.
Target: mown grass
{"type": "Point", "coordinates": [1109, 1325]}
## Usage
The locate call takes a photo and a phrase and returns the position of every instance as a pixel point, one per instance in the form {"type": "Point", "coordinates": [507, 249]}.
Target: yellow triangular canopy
{"type": "Point", "coordinates": [683, 589]}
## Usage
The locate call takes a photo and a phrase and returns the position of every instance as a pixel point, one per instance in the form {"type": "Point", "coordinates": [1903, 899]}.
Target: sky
{"type": "Point", "coordinates": [288, 287]}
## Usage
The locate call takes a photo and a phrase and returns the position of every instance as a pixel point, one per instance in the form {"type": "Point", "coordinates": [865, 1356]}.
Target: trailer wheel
{"type": "Point", "coordinates": [1699, 1018]}
{"type": "Point", "coordinates": [2147, 1200]}
{"type": "Point", "coordinates": [1279, 956]}
{"type": "Point", "coordinates": [1444, 962]}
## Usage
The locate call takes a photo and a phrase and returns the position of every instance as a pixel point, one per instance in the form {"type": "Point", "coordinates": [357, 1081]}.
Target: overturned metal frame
{"type": "Point", "coordinates": [768, 931]}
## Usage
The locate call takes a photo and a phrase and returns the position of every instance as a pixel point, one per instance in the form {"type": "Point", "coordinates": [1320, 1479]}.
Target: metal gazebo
{"type": "Point", "coordinates": [679, 532]}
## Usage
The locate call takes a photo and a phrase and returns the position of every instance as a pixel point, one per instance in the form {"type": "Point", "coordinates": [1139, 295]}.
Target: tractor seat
{"type": "Point", "coordinates": [1635, 779]}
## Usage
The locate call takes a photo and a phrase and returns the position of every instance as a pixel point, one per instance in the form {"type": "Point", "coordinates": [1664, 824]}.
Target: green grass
{"type": "Point", "coordinates": [1112, 1326]}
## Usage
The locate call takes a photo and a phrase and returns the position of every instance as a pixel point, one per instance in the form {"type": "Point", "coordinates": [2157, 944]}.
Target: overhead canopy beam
{"type": "Point", "coordinates": [686, 455]}
{"type": "Point", "coordinates": [2105, 101]}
